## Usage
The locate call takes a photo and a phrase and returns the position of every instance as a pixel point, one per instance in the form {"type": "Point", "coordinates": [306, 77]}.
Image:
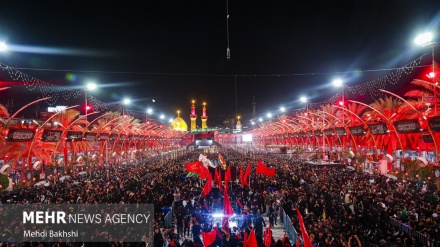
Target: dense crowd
{"type": "Point", "coordinates": [339, 207]}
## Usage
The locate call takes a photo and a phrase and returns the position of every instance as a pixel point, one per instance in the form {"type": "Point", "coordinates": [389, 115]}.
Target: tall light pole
{"type": "Point", "coordinates": [304, 100]}
{"type": "Point", "coordinates": [125, 102]}
{"type": "Point", "coordinates": [149, 112]}
{"type": "Point", "coordinates": [90, 87]}
{"type": "Point", "coordinates": [340, 83]}
{"type": "Point", "coordinates": [424, 40]}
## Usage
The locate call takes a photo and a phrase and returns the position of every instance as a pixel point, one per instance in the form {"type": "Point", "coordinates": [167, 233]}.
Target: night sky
{"type": "Point", "coordinates": [175, 51]}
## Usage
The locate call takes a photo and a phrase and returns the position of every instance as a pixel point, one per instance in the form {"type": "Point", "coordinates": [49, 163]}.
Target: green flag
{"type": "Point", "coordinates": [192, 174]}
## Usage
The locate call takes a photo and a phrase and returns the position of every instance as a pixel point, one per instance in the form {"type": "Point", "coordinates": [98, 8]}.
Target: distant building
{"type": "Point", "coordinates": [229, 123]}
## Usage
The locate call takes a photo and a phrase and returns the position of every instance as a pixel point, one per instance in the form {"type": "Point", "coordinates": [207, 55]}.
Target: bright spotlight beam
{"type": "Point", "coordinates": [3, 46]}
{"type": "Point", "coordinates": [55, 51]}
{"type": "Point", "coordinates": [217, 215]}
{"type": "Point", "coordinates": [127, 101]}
{"type": "Point", "coordinates": [423, 39]}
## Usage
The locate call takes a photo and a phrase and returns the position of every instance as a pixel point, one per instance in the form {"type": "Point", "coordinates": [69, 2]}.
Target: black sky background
{"type": "Point", "coordinates": [175, 51]}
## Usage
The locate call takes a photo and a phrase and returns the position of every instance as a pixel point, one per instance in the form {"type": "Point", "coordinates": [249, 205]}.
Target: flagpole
{"type": "Point", "coordinates": [202, 190]}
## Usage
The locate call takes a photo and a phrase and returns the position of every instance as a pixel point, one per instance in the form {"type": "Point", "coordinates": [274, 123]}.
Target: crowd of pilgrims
{"type": "Point", "coordinates": [339, 207]}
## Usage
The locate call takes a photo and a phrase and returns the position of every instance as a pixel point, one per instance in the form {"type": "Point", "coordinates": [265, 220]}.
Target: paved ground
{"type": "Point", "coordinates": [277, 230]}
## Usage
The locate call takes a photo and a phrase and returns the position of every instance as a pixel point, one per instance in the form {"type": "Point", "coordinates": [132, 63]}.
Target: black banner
{"type": "Point", "coordinates": [309, 133]}
{"type": "Point", "coordinates": [89, 136]}
{"type": "Point", "coordinates": [103, 136]}
{"type": "Point", "coordinates": [74, 136]}
{"type": "Point", "coordinates": [204, 136]}
{"type": "Point", "coordinates": [122, 137]}
{"type": "Point", "coordinates": [340, 131]}
{"type": "Point", "coordinates": [51, 135]}
{"type": "Point", "coordinates": [427, 139]}
{"type": "Point", "coordinates": [20, 135]}
{"type": "Point", "coordinates": [329, 132]}
{"type": "Point", "coordinates": [135, 138]}
{"type": "Point", "coordinates": [113, 137]}
{"type": "Point", "coordinates": [130, 137]}
{"type": "Point", "coordinates": [296, 135]}
{"type": "Point", "coordinates": [141, 138]}
{"type": "Point", "coordinates": [302, 134]}
{"type": "Point", "coordinates": [357, 130]}
{"type": "Point", "coordinates": [434, 123]}
{"type": "Point", "coordinates": [317, 132]}
{"type": "Point", "coordinates": [408, 126]}
{"type": "Point", "coordinates": [378, 129]}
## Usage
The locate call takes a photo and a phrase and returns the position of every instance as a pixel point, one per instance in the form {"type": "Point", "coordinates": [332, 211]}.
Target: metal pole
{"type": "Point", "coordinates": [323, 140]}
{"type": "Point", "coordinates": [435, 82]}
{"type": "Point", "coordinates": [85, 93]}
{"type": "Point", "coordinates": [235, 79]}
{"type": "Point", "coordinates": [86, 109]}
{"type": "Point", "coordinates": [343, 116]}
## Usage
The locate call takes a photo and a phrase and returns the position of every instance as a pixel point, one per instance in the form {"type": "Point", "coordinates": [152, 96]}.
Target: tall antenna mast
{"type": "Point", "coordinates": [228, 51]}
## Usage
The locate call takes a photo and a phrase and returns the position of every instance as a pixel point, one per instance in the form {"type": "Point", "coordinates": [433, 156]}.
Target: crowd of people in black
{"type": "Point", "coordinates": [339, 207]}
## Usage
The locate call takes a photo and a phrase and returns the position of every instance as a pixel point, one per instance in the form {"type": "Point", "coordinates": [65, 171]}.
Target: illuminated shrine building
{"type": "Point", "coordinates": [193, 117]}
{"type": "Point", "coordinates": [179, 124]}
{"type": "Point", "coordinates": [239, 126]}
{"type": "Point", "coordinates": [204, 117]}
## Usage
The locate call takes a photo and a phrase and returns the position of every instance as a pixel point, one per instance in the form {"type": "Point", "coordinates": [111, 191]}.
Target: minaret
{"type": "Point", "coordinates": [238, 126]}
{"type": "Point", "coordinates": [193, 117]}
{"type": "Point", "coordinates": [254, 109]}
{"type": "Point", "coordinates": [204, 117]}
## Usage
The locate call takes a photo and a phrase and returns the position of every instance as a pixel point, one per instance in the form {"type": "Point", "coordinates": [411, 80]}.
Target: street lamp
{"type": "Point", "coordinates": [3, 46]}
{"type": "Point", "coordinates": [282, 109]}
{"type": "Point", "coordinates": [162, 116]}
{"type": "Point", "coordinates": [90, 87]}
{"type": "Point", "coordinates": [424, 40]}
{"type": "Point", "coordinates": [303, 99]}
{"type": "Point", "coordinates": [269, 115]}
{"type": "Point", "coordinates": [126, 101]}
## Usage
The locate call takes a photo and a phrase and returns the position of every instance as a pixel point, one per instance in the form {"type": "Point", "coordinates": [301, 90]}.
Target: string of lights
{"type": "Point", "coordinates": [54, 92]}
{"type": "Point", "coordinates": [372, 87]}
{"type": "Point", "coordinates": [220, 75]}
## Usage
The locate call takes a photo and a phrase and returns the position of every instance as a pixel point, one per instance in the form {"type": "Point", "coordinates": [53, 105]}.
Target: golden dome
{"type": "Point", "coordinates": [179, 124]}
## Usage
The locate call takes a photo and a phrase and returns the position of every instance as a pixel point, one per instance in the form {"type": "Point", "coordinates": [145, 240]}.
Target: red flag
{"type": "Point", "coordinates": [245, 239]}
{"type": "Point", "coordinates": [262, 169]}
{"type": "Point", "coordinates": [204, 173]}
{"type": "Point", "coordinates": [241, 175]}
{"type": "Point", "coordinates": [252, 240]}
{"type": "Point", "coordinates": [227, 177]}
{"type": "Point", "coordinates": [239, 203]}
{"type": "Point", "coordinates": [217, 178]}
{"type": "Point", "coordinates": [208, 237]}
{"type": "Point", "coordinates": [217, 231]}
{"type": "Point", "coordinates": [284, 239]}
{"type": "Point", "coordinates": [195, 167]}
{"type": "Point", "coordinates": [208, 187]}
{"type": "Point", "coordinates": [247, 175]}
{"type": "Point", "coordinates": [227, 213]}
{"type": "Point", "coordinates": [307, 242]}
{"type": "Point", "coordinates": [268, 237]}
{"type": "Point", "coordinates": [298, 241]}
